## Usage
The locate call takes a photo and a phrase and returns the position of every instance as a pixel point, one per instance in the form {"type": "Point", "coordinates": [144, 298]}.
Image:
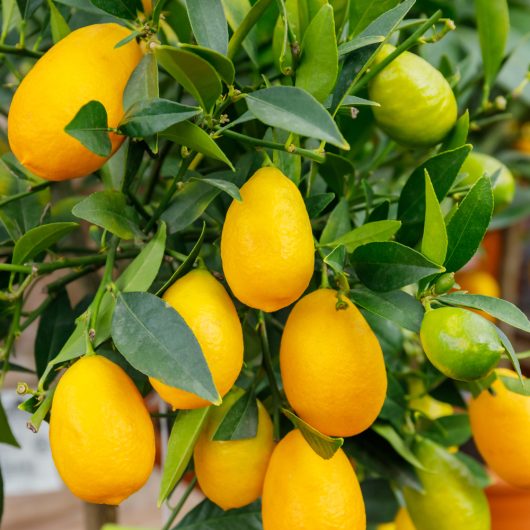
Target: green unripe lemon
{"type": "Point", "coordinates": [418, 107]}
{"type": "Point", "coordinates": [477, 164]}
{"type": "Point", "coordinates": [450, 499]}
{"type": "Point", "coordinates": [461, 344]}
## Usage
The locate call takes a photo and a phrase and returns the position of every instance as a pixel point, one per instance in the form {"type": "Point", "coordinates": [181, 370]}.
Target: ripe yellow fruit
{"type": "Point", "coordinates": [267, 243]}
{"type": "Point", "coordinates": [231, 473]}
{"type": "Point", "coordinates": [302, 490]}
{"type": "Point", "coordinates": [501, 427]}
{"type": "Point", "coordinates": [102, 438]}
{"type": "Point", "coordinates": [403, 520]}
{"type": "Point", "coordinates": [450, 499]}
{"type": "Point", "coordinates": [332, 366]}
{"type": "Point", "coordinates": [82, 67]}
{"type": "Point", "coordinates": [207, 309]}
{"type": "Point", "coordinates": [418, 107]}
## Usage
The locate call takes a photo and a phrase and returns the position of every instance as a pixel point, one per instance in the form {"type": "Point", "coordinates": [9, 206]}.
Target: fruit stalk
{"type": "Point", "coordinates": [180, 504]}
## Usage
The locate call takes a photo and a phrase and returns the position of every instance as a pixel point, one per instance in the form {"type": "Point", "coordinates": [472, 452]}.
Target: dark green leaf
{"type": "Point", "coordinates": [338, 223]}
{"type": "Point", "coordinates": [236, 11]}
{"type": "Point", "coordinates": [208, 516]}
{"type": "Point", "coordinates": [319, 60]}
{"type": "Point", "coordinates": [40, 238]}
{"type": "Point", "coordinates": [223, 185]}
{"type": "Point", "coordinates": [449, 431]}
{"type": "Point", "coordinates": [241, 421]}
{"type": "Point", "coordinates": [126, 9]}
{"type": "Point", "coordinates": [434, 241]}
{"type": "Point", "coordinates": [389, 266]}
{"type": "Point", "coordinates": [109, 209]}
{"type": "Point", "coordinates": [469, 224]}
{"type": "Point", "coordinates": [194, 73]}
{"type": "Point", "coordinates": [90, 127]}
{"type": "Point", "coordinates": [295, 110]}
{"type": "Point", "coordinates": [316, 204]}
{"type": "Point", "coordinates": [58, 24]}
{"type": "Point", "coordinates": [364, 12]}
{"type": "Point", "coordinates": [151, 116]}
{"type": "Point", "coordinates": [192, 136]}
{"type": "Point", "coordinates": [359, 42]}
{"type": "Point", "coordinates": [143, 83]}
{"type": "Point", "coordinates": [380, 501]}
{"type": "Point", "coordinates": [336, 258]}
{"type": "Point", "coordinates": [6, 435]}
{"type": "Point", "coordinates": [209, 25]}
{"type": "Point", "coordinates": [323, 445]}
{"type": "Point", "coordinates": [184, 434]}
{"type": "Point", "coordinates": [443, 169]}
{"type": "Point", "coordinates": [368, 233]}
{"type": "Point", "coordinates": [493, 22]}
{"type": "Point", "coordinates": [156, 340]}
{"type": "Point", "coordinates": [223, 65]}
{"type": "Point", "coordinates": [399, 445]}
{"type": "Point", "coordinates": [397, 306]}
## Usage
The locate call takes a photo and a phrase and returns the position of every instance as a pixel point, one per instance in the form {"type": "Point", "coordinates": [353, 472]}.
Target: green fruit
{"type": "Point", "coordinates": [418, 107]}
{"type": "Point", "coordinates": [461, 344]}
{"type": "Point", "coordinates": [450, 500]}
{"type": "Point", "coordinates": [477, 164]}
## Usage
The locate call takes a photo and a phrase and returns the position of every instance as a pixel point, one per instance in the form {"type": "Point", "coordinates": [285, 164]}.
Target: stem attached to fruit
{"type": "Point", "coordinates": [180, 504]}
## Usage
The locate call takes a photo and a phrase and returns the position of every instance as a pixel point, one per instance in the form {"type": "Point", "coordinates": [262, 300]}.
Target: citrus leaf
{"type": "Point", "coordinates": [336, 258]}
{"type": "Point", "coordinates": [324, 446]}
{"type": "Point", "coordinates": [90, 127]}
{"type": "Point", "coordinates": [295, 110]}
{"type": "Point", "coordinates": [393, 438]}
{"type": "Point", "coordinates": [434, 241]}
{"type": "Point", "coordinates": [194, 73]}
{"type": "Point", "coordinates": [208, 23]}
{"type": "Point", "coordinates": [156, 340]}
{"type": "Point", "coordinates": [338, 223]}
{"type": "Point", "coordinates": [58, 24]}
{"type": "Point", "coordinates": [148, 117]}
{"type": "Point", "coordinates": [241, 421]}
{"type": "Point", "coordinates": [388, 266]}
{"type": "Point", "coordinates": [223, 65]}
{"type": "Point", "coordinates": [126, 9]}
{"type": "Point", "coordinates": [38, 239]}
{"type": "Point", "coordinates": [208, 516]}
{"type": "Point", "coordinates": [516, 386]}
{"type": "Point", "coordinates": [458, 136]}
{"type": "Point", "coordinates": [319, 60]}
{"type": "Point", "coordinates": [511, 354]}
{"type": "Point", "coordinates": [368, 233]}
{"type": "Point", "coordinates": [449, 431]}
{"type": "Point", "coordinates": [236, 12]}
{"type": "Point", "coordinates": [316, 204]}
{"type": "Point", "coordinates": [184, 434]}
{"type": "Point", "coordinates": [359, 42]}
{"type": "Point", "coordinates": [143, 83]}
{"type": "Point", "coordinates": [6, 434]}
{"type": "Point", "coordinates": [364, 12]}
{"type": "Point", "coordinates": [468, 225]}
{"type": "Point", "coordinates": [109, 209]}
{"type": "Point", "coordinates": [192, 136]}
{"type": "Point", "coordinates": [396, 306]}
{"type": "Point", "coordinates": [228, 187]}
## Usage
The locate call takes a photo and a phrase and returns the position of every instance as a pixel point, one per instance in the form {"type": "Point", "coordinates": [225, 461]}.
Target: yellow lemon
{"type": "Point", "coordinates": [102, 438]}
{"type": "Point", "coordinates": [500, 423]}
{"type": "Point", "coordinates": [450, 499]}
{"type": "Point", "coordinates": [231, 473]}
{"type": "Point", "coordinates": [302, 490]}
{"type": "Point", "coordinates": [207, 309]}
{"type": "Point", "coordinates": [332, 366]}
{"type": "Point", "coordinates": [418, 106]}
{"type": "Point", "coordinates": [267, 244]}
{"type": "Point", "coordinates": [403, 520]}
{"type": "Point", "coordinates": [82, 67]}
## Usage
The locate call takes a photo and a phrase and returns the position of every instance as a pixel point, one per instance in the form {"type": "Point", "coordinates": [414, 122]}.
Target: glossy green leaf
{"type": "Point", "coordinates": [458, 136]}
{"type": "Point", "coordinates": [195, 74]}
{"type": "Point", "coordinates": [192, 136]}
{"type": "Point", "coordinates": [224, 185]}
{"type": "Point", "coordinates": [23, 7]}
{"type": "Point", "coordinates": [184, 434]}
{"type": "Point", "coordinates": [38, 239]}
{"type": "Point", "coordinates": [449, 431]}
{"type": "Point", "coordinates": [319, 60]}
{"type": "Point", "coordinates": [395, 440]}
{"type": "Point", "coordinates": [443, 169]}
{"type": "Point", "coordinates": [368, 233]}
{"type": "Point", "coordinates": [151, 116]}
{"type": "Point", "coordinates": [500, 309]}
{"type": "Point", "coordinates": [236, 12]}
{"type": "Point", "coordinates": [208, 516]}
{"type": "Point", "coordinates": [156, 340]}
{"type": "Point", "coordinates": [90, 127]}
{"type": "Point", "coordinates": [396, 306]}
{"type": "Point", "coordinates": [380, 501]}
{"type": "Point", "coordinates": [316, 204]}
{"type": "Point", "coordinates": [209, 25]}
{"type": "Point", "coordinates": [359, 42]}
{"type": "Point", "coordinates": [514, 385]}
{"type": "Point", "coordinates": [295, 110]}
{"type": "Point", "coordinates": [389, 266]}
{"type": "Point", "coordinates": [109, 209]}
{"type": "Point", "coordinates": [469, 224]}
{"type": "Point", "coordinates": [143, 83]}
{"type": "Point", "coordinates": [434, 241]}
{"type": "Point", "coordinates": [10, 17]}
{"type": "Point", "coordinates": [364, 12]}
{"type": "Point", "coordinates": [58, 24]}
{"type": "Point", "coordinates": [241, 421]}
{"type": "Point", "coordinates": [477, 474]}
{"type": "Point", "coordinates": [493, 23]}
{"type": "Point", "coordinates": [126, 9]}
{"type": "Point", "coordinates": [336, 259]}
{"type": "Point", "coordinates": [6, 434]}
{"type": "Point", "coordinates": [323, 445]}
{"type": "Point", "coordinates": [338, 223]}
{"type": "Point", "coordinates": [223, 65]}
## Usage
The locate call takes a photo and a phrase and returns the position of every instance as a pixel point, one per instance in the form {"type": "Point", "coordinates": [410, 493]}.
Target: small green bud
{"type": "Point", "coordinates": [444, 283]}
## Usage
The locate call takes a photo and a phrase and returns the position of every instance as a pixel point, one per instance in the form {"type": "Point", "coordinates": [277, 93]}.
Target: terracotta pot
{"type": "Point", "coordinates": [510, 507]}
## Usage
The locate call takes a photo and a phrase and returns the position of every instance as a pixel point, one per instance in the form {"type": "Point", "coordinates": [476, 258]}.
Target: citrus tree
{"type": "Point", "coordinates": [277, 195]}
